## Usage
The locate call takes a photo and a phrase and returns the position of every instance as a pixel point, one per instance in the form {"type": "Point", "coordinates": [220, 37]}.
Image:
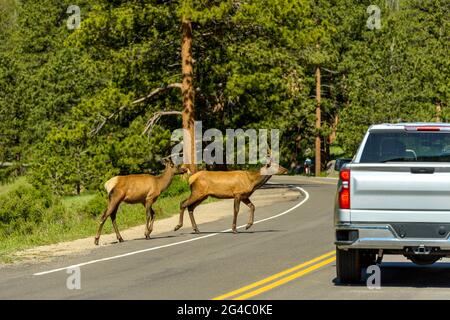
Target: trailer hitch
{"type": "Point", "coordinates": [421, 250]}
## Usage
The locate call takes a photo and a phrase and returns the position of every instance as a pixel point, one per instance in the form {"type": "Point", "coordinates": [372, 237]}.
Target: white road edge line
{"type": "Point", "coordinates": [176, 243]}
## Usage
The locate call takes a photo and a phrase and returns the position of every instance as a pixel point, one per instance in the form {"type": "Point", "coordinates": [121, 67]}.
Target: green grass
{"type": "Point", "coordinates": [17, 183]}
{"type": "Point", "coordinates": [75, 217]}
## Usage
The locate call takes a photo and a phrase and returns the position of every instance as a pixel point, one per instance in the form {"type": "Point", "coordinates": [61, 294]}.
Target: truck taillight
{"type": "Point", "coordinates": [424, 128]}
{"type": "Point", "coordinates": [344, 192]}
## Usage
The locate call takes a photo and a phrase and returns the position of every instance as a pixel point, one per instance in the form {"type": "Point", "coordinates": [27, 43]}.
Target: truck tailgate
{"type": "Point", "coordinates": [394, 187]}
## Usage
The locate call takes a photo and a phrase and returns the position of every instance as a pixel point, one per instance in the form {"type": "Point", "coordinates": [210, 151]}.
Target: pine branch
{"type": "Point", "coordinates": [150, 95]}
{"type": "Point", "coordinates": [155, 118]}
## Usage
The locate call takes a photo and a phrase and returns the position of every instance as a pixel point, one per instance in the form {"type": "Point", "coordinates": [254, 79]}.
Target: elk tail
{"type": "Point", "coordinates": [110, 184]}
{"type": "Point", "coordinates": [194, 177]}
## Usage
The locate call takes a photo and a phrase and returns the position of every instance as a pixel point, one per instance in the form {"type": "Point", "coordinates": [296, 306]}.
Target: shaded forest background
{"type": "Point", "coordinates": [254, 67]}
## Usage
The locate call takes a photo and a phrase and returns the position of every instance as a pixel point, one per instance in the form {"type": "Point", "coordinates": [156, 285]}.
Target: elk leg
{"type": "Point", "coordinates": [112, 207]}
{"type": "Point", "coordinates": [100, 227]}
{"type": "Point", "coordinates": [193, 223]}
{"type": "Point", "coordinates": [252, 212]}
{"type": "Point", "coordinates": [237, 202]}
{"type": "Point", "coordinates": [116, 229]}
{"type": "Point", "coordinates": [150, 218]}
{"type": "Point", "coordinates": [150, 224]}
{"type": "Point", "coordinates": [181, 218]}
{"type": "Point", "coordinates": [191, 214]}
{"type": "Point", "coordinates": [184, 204]}
{"type": "Point", "coordinates": [150, 229]}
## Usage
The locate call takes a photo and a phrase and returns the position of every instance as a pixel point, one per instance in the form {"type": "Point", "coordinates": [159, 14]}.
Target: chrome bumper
{"type": "Point", "coordinates": [385, 237]}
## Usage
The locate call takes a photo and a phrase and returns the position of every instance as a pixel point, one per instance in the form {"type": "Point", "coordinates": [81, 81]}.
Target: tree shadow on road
{"type": "Point", "coordinates": [408, 274]}
{"type": "Point", "coordinates": [293, 185]}
{"type": "Point", "coordinates": [230, 232]}
{"type": "Point", "coordinates": [144, 239]}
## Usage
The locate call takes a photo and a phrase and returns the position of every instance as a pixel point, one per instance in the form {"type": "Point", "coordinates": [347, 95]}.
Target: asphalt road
{"type": "Point", "coordinates": [289, 254]}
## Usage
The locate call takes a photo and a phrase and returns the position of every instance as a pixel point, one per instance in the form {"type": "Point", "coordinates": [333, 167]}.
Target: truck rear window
{"type": "Point", "coordinates": [406, 146]}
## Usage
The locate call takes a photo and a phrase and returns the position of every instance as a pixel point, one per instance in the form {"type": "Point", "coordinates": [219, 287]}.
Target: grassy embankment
{"type": "Point", "coordinates": [33, 216]}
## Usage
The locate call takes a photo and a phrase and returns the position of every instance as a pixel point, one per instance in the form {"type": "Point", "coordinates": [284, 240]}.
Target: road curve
{"type": "Point", "coordinates": [288, 255]}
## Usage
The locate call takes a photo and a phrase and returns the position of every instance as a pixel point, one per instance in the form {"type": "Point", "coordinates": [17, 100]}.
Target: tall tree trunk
{"type": "Point", "coordinates": [438, 112]}
{"type": "Point", "coordinates": [187, 89]}
{"type": "Point", "coordinates": [333, 133]}
{"type": "Point", "coordinates": [318, 123]}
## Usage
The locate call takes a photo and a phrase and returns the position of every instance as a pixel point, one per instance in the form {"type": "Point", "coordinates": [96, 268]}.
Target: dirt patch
{"type": "Point", "coordinates": [203, 214]}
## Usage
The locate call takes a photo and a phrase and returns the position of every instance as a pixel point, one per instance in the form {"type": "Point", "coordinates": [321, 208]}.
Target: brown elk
{"type": "Point", "coordinates": [238, 185]}
{"type": "Point", "coordinates": [137, 188]}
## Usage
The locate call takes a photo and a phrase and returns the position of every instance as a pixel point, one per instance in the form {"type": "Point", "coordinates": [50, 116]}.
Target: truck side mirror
{"type": "Point", "coordinates": [341, 162]}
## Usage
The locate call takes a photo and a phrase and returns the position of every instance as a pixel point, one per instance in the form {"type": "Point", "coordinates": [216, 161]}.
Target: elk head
{"type": "Point", "coordinates": [176, 169]}
{"type": "Point", "coordinates": [272, 167]}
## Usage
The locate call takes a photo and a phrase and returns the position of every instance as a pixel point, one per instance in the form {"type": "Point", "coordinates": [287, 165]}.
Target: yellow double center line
{"type": "Point", "coordinates": [280, 278]}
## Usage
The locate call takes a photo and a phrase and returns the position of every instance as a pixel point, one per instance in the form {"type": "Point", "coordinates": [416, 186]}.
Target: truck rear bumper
{"type": "Point", "coordinates": [382, 236]}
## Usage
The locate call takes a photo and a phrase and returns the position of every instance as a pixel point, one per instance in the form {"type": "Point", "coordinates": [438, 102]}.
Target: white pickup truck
{"type": "Point", "coordinates": [394, 198]}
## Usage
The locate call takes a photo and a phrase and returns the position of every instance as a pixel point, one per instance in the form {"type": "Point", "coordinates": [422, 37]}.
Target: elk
{"type": "Point", "coordinates": [238, 185]}
{"type": "Point", "coordinates": [137, 188]}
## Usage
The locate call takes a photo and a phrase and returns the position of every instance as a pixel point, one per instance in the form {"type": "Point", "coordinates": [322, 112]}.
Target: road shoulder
{"type": "Point", "coordinates": [204, 213]}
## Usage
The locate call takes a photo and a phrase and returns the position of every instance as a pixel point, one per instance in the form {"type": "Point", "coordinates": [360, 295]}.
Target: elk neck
{"type": "Point", "coordinates": [258, 180]}
{"type": "Point", "coordinates": [165, 179]}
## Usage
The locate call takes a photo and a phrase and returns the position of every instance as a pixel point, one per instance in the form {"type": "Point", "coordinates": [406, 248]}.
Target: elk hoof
{"type": "Point", "coordinates": [96, 241]}
{"type": "Point", "coordinates": [147, 236]}
{"type": "Point", "coordinates": [248, 226]}
{"type": "Point", "coordinates": [177, 227]}
{"type": "Point", "coordinates": [120, 240]}
{"type": "Point", "coordinates": [235, 231]}
{"type": "Point", "coordinates": [196, 231]}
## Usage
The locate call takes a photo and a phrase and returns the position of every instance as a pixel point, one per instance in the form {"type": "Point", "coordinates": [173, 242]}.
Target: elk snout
{"type": "Point", "coordinates": [181, 170]}
{"type": "Point", "coordinates": [282, 170]}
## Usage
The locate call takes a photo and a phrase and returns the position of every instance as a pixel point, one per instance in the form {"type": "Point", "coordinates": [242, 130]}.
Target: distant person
{"type": "Point", "coordinates": [307, 165]}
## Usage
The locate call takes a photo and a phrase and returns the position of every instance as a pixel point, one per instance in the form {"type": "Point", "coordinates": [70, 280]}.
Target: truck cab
{"type": "Point", "coordinates": [394, 198]}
